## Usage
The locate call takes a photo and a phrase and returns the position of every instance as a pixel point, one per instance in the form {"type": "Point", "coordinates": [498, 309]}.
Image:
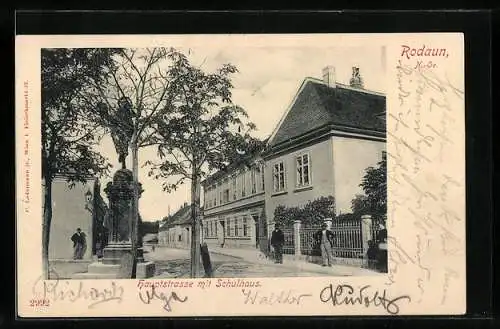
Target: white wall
{"type": "Point", "coordinates": [351, 157]}
{"type": "Point", "coordinates": [69, 213]}
{"type": "Point", "coordinates": [322, 178]}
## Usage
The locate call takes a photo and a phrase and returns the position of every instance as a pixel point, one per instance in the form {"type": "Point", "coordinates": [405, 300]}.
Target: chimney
{"type": "Point", "coordinates": [329, 76]}
{"type": "Point", "coordinates": [356, 79]}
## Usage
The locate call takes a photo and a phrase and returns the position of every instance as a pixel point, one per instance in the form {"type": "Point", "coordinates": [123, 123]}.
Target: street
{"type": "Point", "coordinates": [174, 263]}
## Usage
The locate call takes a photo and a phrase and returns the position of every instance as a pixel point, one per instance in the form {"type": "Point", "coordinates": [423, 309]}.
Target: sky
{"type": "Point", "coordinates": [268, 79]}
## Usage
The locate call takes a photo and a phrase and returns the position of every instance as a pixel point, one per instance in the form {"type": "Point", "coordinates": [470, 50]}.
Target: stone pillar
{"type": "Point", "coordinates": [366, 232]}
{"type": "Point", "coordinates": [296, 238]}
{"type": "Point", "coordinates": [328, 222]}
{"type": "Point", "coordinates": [119, 225]}
{"type": "Point", "coordinates": [120, 195]}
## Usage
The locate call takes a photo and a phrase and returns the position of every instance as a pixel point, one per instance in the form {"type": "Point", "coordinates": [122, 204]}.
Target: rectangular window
{"type": "Point", "coordinates": [253, 181]}
{"type": "Point", "coordinates": [233, 227]}
{"type": "Point", "coordinates": [234, 187]}
{"type": "Point", "coordinates": [236, 226]}
{"type": "Point", "coordinates": [228, 227]}
{"type": "Point", "coordinates": [216, 224]}
{"type": "Point", "coordinates": [243, 184]}
{"type": "Point", "coordinates": [279, 177]}
{"type": "Point", "coordinates": [245, 227]}
{"type": "Point", "coordinates": [208, 198]}
{"type": "Point", "coordinates": [206, 230]}
{"type": "Point", "coordinates": [262, 177]}
{"type": "Point", "coordinates": [303, 170]}
{"type": "Point", "coordinates": [225, 197]}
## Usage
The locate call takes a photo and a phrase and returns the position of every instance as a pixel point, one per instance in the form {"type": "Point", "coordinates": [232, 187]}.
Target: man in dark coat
{"type": "Point", "coordinates": [277, 242]}
{"type": "Point", "coordinates": [325, 239]}
{"type": "Point", "coordinates": [79, 244]}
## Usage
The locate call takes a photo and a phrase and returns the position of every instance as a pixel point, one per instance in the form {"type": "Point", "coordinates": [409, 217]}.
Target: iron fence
{"type": "Point", "coordinates": [288, 247]}
{"type": "Point", "coordinates": [308, 245]}
{"type": "Point", "coordinates": [348, 239]}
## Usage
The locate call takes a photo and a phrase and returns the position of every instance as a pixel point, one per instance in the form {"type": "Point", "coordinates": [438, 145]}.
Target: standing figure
{"type": "Point", "coordinates": [99, 246]}
{"type": "Point", "coordinates": [277, 242]}
{"type": "Point", "coordinates": [79, 244]}
{"type": "Point", "coordinates": [382, 248]}
{"type": "Point", "coordinates": [372, 254]}
{"type": "Point", "coordinates": [325, 239]}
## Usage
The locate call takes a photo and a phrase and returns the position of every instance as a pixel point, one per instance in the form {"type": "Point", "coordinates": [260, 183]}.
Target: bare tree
{"type": "Point", "coordinates": [139, 81]}
{"type": "Point", "coordinates": [205, 131]}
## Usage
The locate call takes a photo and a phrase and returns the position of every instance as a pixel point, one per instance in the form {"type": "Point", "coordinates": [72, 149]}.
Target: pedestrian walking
{"type": "Point", "coordinates": [277, 242]}
{"type": "Point", "coordinates": [325, 239]}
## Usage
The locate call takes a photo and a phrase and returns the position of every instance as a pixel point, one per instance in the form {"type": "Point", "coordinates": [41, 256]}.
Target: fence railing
{"type": "Point", "coordinates": [288, 247]}
{"type": "Point", "coordinates": [308, 245]}
{"type": "Point", "coordinates": [351, 245]}
{"type": "Point", "coordinates": [348, 239]}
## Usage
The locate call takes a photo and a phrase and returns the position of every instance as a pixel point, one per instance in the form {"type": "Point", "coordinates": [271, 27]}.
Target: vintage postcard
{"type": "Point", "coordinates": [240, 175]}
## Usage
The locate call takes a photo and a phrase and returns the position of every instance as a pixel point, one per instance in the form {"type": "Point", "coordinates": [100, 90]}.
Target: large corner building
{"type": "Point", "coordinates": [328, 136]}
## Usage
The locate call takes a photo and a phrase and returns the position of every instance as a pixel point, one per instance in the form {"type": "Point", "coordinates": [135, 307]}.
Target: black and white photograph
{"type": "Point", "coordinates": [214, 162]}
{"type": "Point", "coordinates": [198, 175]}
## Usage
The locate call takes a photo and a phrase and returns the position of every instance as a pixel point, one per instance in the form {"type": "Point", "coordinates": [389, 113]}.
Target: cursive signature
{"type": "Point", "coordinates": [146, 295]}
{"type": "Point", "coordinates": [72, 290]}
{"type": "Point", "coordinates": [344, 294]}
{"type": "Point", "coordinates": [283, 297]}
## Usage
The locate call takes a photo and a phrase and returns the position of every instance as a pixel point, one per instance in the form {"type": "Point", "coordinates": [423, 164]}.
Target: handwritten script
{"type": "Point", "coordinates": [347, 295]}
{"type": "Point", "coordinates": [146, 295]}
{"type": "Point", "coordinates": [72, 291]}
{"type": "Point", "coordinates": [289, 297]}
{"type": "Point", "coordinates": [426, 171]}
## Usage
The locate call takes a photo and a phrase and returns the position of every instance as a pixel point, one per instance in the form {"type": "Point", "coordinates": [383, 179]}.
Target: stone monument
{"type": "Point", "coordinates": [120, 193]}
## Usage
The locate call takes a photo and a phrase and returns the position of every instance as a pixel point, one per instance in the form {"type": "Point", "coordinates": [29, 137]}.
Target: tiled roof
{"type": "Point", "coordinates": [180, 217]}
{"type": "Point", "coordinates": [318, 104]}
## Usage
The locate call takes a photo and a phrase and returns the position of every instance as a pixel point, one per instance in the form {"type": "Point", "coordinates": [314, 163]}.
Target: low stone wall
{"type": "Point", "coordinates": [65, 269]}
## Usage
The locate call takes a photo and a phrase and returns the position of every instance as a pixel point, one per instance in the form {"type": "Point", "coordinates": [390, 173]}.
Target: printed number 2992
{"type": "Point", "coordinates": [39, 302]}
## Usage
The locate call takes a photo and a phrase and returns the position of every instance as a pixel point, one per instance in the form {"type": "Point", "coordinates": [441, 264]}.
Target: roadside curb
{"type": "Point", "coordinates": [319, 269]}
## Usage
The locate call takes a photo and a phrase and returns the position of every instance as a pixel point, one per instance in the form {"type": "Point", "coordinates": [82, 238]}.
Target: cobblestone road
{"type": "Point", "coordinates": [174, 263]}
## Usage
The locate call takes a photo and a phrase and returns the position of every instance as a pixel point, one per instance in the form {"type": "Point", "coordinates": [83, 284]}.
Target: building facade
{"type": "Point", "coordinates": [234, 215]}
{"type": "Point", "coordinates": [175, 230]}
{"type": "Point", "coordinates": [327, 138]}
{"type": "Point", "coordinates": [330, 134]}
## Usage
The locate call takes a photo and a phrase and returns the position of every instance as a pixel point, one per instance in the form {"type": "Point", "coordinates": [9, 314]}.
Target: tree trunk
{"type": "Point", "coordinates": [135, 206]}
{"type": "Point", "coordinates": [195, 232]}
{"type": "Point", "coordinates": [47, 218]}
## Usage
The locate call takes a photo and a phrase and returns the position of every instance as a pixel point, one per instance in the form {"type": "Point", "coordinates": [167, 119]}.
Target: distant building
{"type": "Point", "coordinates": [328, 136]}
{"type": "Point", "coordinates": [175, 230]}
{"type": "Point", "coordinates": [80, 206]}
{"type": "Point", "coordinates": [234, 213]}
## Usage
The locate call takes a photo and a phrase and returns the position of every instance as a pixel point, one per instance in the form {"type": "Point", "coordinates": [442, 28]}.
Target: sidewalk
{"type": "Point", "coordinates": [256, 257]}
